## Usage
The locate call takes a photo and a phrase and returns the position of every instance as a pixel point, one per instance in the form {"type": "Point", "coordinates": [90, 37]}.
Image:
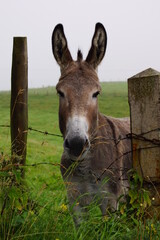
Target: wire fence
{"type": "Point", "coordinates": [124, 173]}
{"type": "Point", "coordinates": [117, 140]}
{"type": "Point", "coordinates": [140, 137]}
{"type": "Point", "coordinates": [35, 130]}
{"type": "Point", "coordinates": [153, 143]}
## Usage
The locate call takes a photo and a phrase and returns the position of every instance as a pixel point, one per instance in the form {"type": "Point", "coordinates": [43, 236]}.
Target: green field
{"type": "Point", "coordinates": [48, 216]}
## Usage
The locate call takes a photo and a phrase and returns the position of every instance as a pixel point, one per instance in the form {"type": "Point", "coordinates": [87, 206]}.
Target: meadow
{"type": "Point", "coordinates": [40, 210]}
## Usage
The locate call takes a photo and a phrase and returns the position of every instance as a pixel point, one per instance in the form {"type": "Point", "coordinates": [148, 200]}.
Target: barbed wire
{"type": "Point", "coordinates": [155, 144]}
{"type": "Point", "coordinates": [44, 132]}
{"type": "Point", "coordinates": [35, 130]}
{"type": "Point", "coordinates": [10, 166]}
{"type": "Point", "coordinates": [142, 138]}
{"type": "Point", "coordinates": [117, 140]}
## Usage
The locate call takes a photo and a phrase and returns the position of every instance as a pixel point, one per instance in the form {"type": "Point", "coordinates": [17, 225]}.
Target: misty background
{"type": "Point", "coordinates": [133, 29]}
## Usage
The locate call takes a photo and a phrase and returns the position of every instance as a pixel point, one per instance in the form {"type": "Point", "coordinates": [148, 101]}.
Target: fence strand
{"type": "Point", "coordinates": [155, 143]}
{"type": "Point", "coordinates": [35, 130]}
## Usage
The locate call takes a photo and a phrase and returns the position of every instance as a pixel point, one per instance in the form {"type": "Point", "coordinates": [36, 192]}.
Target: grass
{"type": "Point", "coordinates": [47, 216]}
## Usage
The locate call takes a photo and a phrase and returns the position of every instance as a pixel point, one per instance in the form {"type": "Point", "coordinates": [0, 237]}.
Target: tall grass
{"type": "Point", "coordinates": [38, 209]}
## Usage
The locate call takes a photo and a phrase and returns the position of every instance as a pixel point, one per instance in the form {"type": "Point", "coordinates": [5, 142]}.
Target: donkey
{"type": "Point", "coordinates": [96, 154]}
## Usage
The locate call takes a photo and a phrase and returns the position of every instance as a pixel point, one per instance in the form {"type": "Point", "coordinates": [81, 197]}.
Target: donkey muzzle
{"type": "Point", "coordinates": [76, 146]}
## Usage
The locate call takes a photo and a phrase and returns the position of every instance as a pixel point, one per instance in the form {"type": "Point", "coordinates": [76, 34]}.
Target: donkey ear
{"type": "Point", "coordinates": [98, 47]}
{"type": "Point", "coordinates": [60, 47]}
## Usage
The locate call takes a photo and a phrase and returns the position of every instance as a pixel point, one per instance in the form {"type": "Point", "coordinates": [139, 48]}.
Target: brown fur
{"type": "Point", "coordinates": [102, 173]}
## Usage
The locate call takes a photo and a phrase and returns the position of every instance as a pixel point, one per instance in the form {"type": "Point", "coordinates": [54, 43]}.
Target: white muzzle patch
{"type": "Point", "coordinates": [76, 143]}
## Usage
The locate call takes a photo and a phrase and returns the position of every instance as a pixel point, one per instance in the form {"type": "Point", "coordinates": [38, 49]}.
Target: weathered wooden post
{"type": "Point", "coordinates": [144, 101]}
{"type": "Point", "coordinates": [19, 100]}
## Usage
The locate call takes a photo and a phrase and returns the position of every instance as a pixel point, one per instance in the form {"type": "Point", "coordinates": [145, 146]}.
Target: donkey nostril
{"type": "Point", "coordinates": [66, 144]}
{"type": "Point", "coordinates": [86, 143]}
{"type": "Point", "coordinates": [76, 145]}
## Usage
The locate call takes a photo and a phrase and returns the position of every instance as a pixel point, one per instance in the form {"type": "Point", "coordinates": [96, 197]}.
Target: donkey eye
{"type": "Point", "coordinates": [95, 94]}
{"type": "Point", "coordinates": [60, 93]}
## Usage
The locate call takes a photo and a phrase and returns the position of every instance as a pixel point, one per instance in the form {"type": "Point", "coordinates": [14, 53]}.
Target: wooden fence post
{"type": "Point", "coordinates": [19, 100]}
{"type": "Point", "coordinates": [144, 101]}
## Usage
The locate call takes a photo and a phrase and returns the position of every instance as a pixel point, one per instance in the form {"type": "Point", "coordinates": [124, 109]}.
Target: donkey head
{"type": "Point", "coordinates": [78, 88]}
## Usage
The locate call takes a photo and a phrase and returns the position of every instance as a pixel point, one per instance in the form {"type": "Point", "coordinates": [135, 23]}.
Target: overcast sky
{"type": "Point", "coordinates": [133, 29]}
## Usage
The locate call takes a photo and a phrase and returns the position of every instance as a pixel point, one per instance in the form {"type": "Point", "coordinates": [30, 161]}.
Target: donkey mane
{"type": "Point", "coordinates": [79, 68]}
{"type": "Point", "coordinates": [79, 56]}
